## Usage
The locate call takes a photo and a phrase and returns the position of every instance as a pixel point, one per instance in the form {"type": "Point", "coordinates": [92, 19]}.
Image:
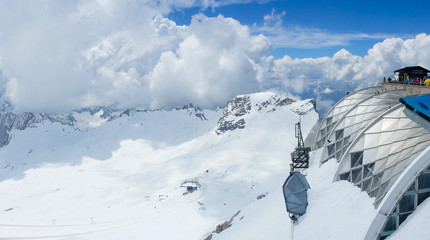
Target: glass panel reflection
{"type": "Point", "coordinates": [330, 149]}
{"type": "Point", "coordinates": [344, 176]}
{"type": "Point", "coordinates": [366, 184]}
{"type": "Point", "coordinates": [403, 217]}
{"type": "Point", "coordinates": [424, 181]}
{"type": "Point", "coordinates": [412, 187]}
{"type": "Point", "coordinates": [356, 159]}
{"type": "Point", "coordinates": [356, 175]}
{"type": "Point", "coordinates": [407, 203]}
{"type": "Point", "coordinates": [368, 170]}
{"type": "Point", "coordinates": [376, 180]}
{"type": "Point", "coordinates": [339, 134]}
{"type": "Point", "coordinates": [390, 225]}
{"type": "Point", "coordinates": [423, 196]}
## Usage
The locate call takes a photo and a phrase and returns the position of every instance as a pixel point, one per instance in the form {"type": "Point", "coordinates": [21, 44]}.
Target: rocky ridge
{"type": "Point", "coordinates": [236, 110]}
{"type": "Point", "coordinates": [10, 121]}
{"type": "Point", "coordinates": [233, 116]}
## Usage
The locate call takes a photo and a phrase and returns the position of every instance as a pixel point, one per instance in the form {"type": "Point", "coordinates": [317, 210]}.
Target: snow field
{"type": "Point", "coordinates": [126, 179]}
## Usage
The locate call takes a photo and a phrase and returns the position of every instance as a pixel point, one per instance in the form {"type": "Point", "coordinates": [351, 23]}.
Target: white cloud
{"type": "Point", "coordinates": [296, 36]}
{"type": "Point", "coordinates": [385, 57]}
{"type": "Point", "coordinates": [216, 62]}
{"type": "Point", "coordinates": [125, 54]}
{"type": "Point", "coordinates": [305, 37]}
{"type": "Point", "coordinates": [59, 56]}
{"type": "Point", "coordinates": [274, 19]}
{"type": "Point", "coordinates": [168, 5]}
{"type": "Point", "coordinates": [42, 49]}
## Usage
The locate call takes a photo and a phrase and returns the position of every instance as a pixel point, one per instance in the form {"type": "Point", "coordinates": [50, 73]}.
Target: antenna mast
{"type": "Point", "coordinates": [300, 157]}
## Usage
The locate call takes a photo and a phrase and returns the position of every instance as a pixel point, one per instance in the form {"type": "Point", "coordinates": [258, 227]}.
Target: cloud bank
{"type": "Point", "coordinates": [123, 53]}
{"type": "Point", "coordinates": [60, 56]}
{"type": "Point", "coordinates": [380, 61]}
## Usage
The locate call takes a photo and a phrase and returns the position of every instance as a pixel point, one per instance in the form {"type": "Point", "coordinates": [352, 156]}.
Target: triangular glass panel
{"type": "Point", "coordinates": [392, 160]}
{"type": "Point", "coordinates": [366, 185]}
{"type": "Point", "coordinates": [361, 109]}
{"type": "Point", "coordinates": [356, 175]}
{"type": "Point", "coordinates": [383, 151]}
{"type": "Point", "coordinates": [379, 166]}
{"type": "Point", "coordinates": [371, 140]}
{"type": "Point", "coordinates": [386, 137]}
{"type": "Point", "coordinates": [395, 114]}
{"type": "Point", "coordinates": [329, 120]}
{"type": "Point", "coordinates": [377, 180]}
{"type": "Point", "coordinates": [356, 159]}
{"type": "Point", "coordinates": [346, 141]}
{"type": "Point", "coordinates": [404, 123]}
{"type": "Point", "coordinates": [345, 165]}
{"type": "Point", "coordinates": [399, 168]}
{"type": "Point", "coordinates": [376, 127]}
{"type": "Point", "coordinates": [338, 134]}
{"type": "Point", "coordinates": [364, 124]}
{"type": "Point", "coordinates": [330, 149]}
{"type": "Point", "coordinates": [388, 174]}
{"type": "Point", "coordinates": [396, 147]}
{"type": "Point", "coordinates": [382, 190]}
{"type": "Point", "coordinates": [389, 124]}
{"type": "Point", "coordinates": [359, 145]}
{"type": "Point", "coordinates": [348, 121]}
{"type": "Point", "coordinates": [345, 176]}
{"type": "Point", "coordinates": [368, 170]}
{"type": "Point", "coordinates": [369, 155]}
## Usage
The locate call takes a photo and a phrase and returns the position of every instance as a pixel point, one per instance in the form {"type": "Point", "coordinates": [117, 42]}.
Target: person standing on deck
{"type": "Point", "coordinates": [427, 82]}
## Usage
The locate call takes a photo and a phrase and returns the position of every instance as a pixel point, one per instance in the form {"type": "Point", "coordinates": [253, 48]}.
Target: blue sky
{"type": "Point", "coordinates": [353, 25]}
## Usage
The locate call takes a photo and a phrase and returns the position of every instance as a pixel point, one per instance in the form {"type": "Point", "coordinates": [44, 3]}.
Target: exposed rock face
{"type": "Point", "coordinates": [225, 125]}
{"type": "Point", "coordinates": [10, 121]}
{"type": "Point", "coordinates": [108, 113]}
{"type": "Point", "coordinates": [237, 109]}
{"type": "Point", "coordinates": [308, 106]}
{"type": "Point", "coordinates": [196, 110]}
{"type": "Point", "coordinates": [4, 136]}
{"type": "Point", "coordinates": [223, 226]}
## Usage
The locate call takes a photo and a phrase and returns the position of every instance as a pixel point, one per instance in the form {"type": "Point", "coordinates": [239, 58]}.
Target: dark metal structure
{"type": "Point", "coordinates": [300, 157]}
{"type": "Point", "coordinates": [296, 186]}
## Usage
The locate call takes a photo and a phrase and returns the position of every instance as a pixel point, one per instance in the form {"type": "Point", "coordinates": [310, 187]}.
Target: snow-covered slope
{"type": "Point", "coordinates": [416, 225]}
{"type": "Point", "coordinates": [165, 174]}
{"type": "Point", "coordinates": [336, 211]}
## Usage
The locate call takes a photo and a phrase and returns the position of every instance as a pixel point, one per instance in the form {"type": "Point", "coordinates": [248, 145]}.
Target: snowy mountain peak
{"type": "Point", "coordinates": [240, 107]}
